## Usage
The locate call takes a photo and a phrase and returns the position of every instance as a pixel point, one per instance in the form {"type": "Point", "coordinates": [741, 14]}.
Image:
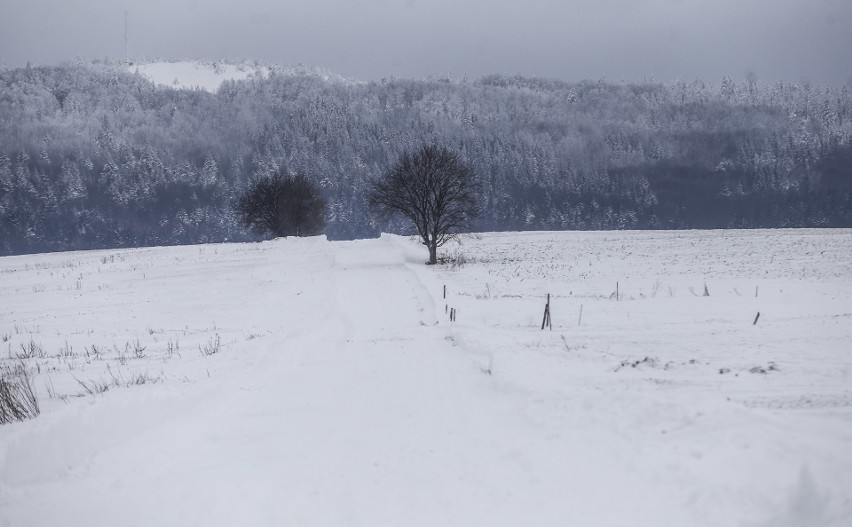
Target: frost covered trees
{"type": "Point", "coordinates": [434, 189]}
{"type": "Point", "coordinates": [92, 156]}
{"type": "Point", "coordinates": [282, 205]}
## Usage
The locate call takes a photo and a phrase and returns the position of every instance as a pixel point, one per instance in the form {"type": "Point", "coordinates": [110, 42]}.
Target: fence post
{"type": "Point", "coordinates": [545, 321]}
{"type": "Point", "coordinates": [549, 324]}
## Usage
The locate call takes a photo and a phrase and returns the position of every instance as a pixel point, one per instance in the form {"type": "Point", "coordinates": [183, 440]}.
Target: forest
{"type": "Point", "coordinates": [94, 156]}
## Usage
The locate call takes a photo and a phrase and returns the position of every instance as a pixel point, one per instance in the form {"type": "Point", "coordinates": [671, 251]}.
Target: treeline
{"type": "Point", "coordinates": [93, 156]}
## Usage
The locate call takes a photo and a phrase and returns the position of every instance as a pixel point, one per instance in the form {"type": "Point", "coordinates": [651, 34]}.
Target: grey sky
{"type": "Point", "coordinates": [370, 39]}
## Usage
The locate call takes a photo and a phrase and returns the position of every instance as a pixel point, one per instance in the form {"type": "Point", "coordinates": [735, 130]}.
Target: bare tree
{"type": "Point", "coordinates": [282, 205]}
{"type": "Point", "coordinates": [433, 189]}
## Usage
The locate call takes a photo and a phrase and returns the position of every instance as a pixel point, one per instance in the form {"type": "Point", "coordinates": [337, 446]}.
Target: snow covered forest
{"type": "Point", "coordinates": [94, 156]}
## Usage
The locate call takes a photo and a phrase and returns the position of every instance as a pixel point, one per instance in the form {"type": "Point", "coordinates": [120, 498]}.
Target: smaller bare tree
{"type": "Point", "coordinates": [433, 189]}
{"type": "Point", "coordinates": [282, 205]}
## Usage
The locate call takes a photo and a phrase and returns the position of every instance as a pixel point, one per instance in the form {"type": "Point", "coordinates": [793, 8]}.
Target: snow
{"type": "Point", "coordinates": [340, 393]}
{"type": "Point", "coordinates": [208, 76]}
{"type": "Point", "coordinates": [194, 74]}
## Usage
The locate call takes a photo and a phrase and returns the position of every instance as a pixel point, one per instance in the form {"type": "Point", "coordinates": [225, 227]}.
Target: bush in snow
{"type": "Point", "coordinates": [18, 400]}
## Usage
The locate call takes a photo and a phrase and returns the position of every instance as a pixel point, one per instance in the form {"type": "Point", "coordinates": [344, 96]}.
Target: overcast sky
{"type": "Point", "coordinates": [628, 40]}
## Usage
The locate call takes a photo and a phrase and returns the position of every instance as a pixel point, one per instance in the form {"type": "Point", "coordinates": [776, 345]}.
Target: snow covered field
{"type": "Point", "coordinates": [306, 382]}
{"type": "Point", "coordinates": [194, 74]}
{"type": "Point", "coordinates": [208, 76]}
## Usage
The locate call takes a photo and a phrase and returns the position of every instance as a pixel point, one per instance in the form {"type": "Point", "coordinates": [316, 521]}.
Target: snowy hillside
{"type": "Point", "coordinates": [551, 155]}
{"type": "Point", "coordinates": [307, 382]}
{"type": "Point", "coordinates": [208, 76]}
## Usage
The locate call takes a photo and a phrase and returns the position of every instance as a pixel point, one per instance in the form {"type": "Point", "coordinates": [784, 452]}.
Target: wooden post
{"type": "Point", "coordinates": [755, 291]}
{"type": "Point", "coordinates": [755, 319]}
{"type": "Point", "coordinates": [545, 321]}
{"type": "Point", "coordinates": [616, 291]}
{"type": "Point", "coordinates": [579, 320]}
{"type": "Point", "coordinates": [445, 290]}
{"type": "Point", "coordinates": [548, 313]}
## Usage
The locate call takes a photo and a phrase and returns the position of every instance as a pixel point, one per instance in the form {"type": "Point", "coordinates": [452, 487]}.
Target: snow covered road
{"type": "Point", "coordinates": [341, 395]}
{"type": "Point", "coordinates": [361, 414]}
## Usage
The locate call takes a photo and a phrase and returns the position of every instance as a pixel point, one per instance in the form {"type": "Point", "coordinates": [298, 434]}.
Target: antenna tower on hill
{"type": "Point", "coordinates": [126, 39]}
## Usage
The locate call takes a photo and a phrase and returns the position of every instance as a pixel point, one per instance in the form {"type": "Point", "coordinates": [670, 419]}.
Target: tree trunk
{"type": "Point", "coordinates": [433, 253]}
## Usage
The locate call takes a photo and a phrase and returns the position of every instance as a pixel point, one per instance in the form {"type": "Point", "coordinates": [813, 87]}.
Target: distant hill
{"type": "Point", "coordinates": [105, 155]}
